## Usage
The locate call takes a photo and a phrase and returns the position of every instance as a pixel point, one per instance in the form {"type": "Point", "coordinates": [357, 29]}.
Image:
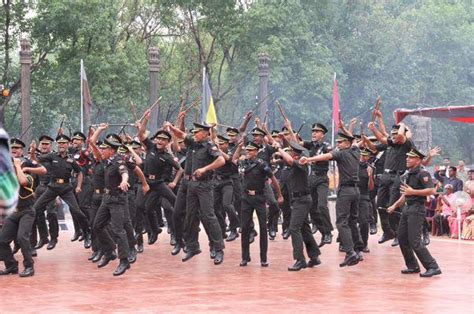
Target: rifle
{"type": "Point", "coordinates": [261, 101]}
{"type": "Point", "coordinates": [282, 112]}
{"type": "Point", "coordinates": [155, 104]}
{"type": "Point", "coordinates": [378, 103]}
{"type": "Point", "coordinates": [133, 108]}
{"type": "Point", "coordinates": [115, 124]}
{"type": "Point", "coordinates": [299, 130]}
{"type": "Point", "coordinates": [27, 129]}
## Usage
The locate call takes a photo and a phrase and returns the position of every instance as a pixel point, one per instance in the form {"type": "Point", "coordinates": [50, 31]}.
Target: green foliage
{"type": "Point", "coordinates": [413, 53]}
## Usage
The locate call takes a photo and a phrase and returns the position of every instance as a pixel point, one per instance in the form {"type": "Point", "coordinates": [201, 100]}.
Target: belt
{"type": "Point", "coordinates": [61, 181]}
{"type": "Point", "coordinates": [188, 177]}
{"type": "Point", "coordinates": [254, 192]}
{"type": "Point", "coordinates": [99, 191]}
{"type": "Point", "coordinates": [152, 176]}
{"type": "Point", "coordinates": [393, 171]}
{"type": "Point", "coordinates": [350, 184]}
{"type": "Point", "coordinates": [299, 194]}
{"type": "Point", "coordinates": [113, 192]}
{"type": "Point", "coordinates": [319, 173]}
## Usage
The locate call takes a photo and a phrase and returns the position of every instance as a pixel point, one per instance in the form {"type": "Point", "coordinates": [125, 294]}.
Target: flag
{"type": "Point", "coordinates": [208, 111]}
{"type": "Point", "coordinates": [86, 98]}
{"type": "Point", "coordinates": [335, 105]}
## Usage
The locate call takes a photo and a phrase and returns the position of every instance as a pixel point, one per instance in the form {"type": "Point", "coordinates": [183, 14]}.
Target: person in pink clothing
{"type": "Point", "coordinates": [441, 219]}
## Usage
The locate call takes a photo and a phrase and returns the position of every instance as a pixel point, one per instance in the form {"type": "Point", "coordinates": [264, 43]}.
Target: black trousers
{"type": "Point", "coordinates": [347, 212]}
{"type": "Point", "coordinates": [179, 212]}
{"type": "Point", "coordinates": [285, 207]}
{"type": "Point", "coordinates": [319, 212]}
{"type": "Point", "coordinates": [200, 204]}
{"type": "Point", "coordinates": [113, 210]}
{"type": "Point", "coordinates": [300, 230]}
{"type": "Point", "coordinates": [139, 214]}
{"type": "Point", "coordinates": [52, 217]}
{"type": "Point", "coordinates": [152, 202]}
{"type": "Point", "coordinates": [273, 208]}
{"type": "Point", "coordinates": [388, 193]}
{"type": "Point", "coordinates": [17, 226]}
{"type": "Point", "coordinates": [373, 217]}
{"type": "Point", "coordinates": [249, 204]}
{"type": "Point", "coordinates": [410, 230]}
{"type": "Point", "coordinates": [364, 214]}
{"type": "Point", "coordinates": [95, 204]}
{"type": "Point", "coordinates": [65, 191]}
{"type": "Point", "coordinates": [223, 204]}
{"type": "Point", "coordinates": [84, 199]}
{"type": "Point", "coordinates": [237, 194]}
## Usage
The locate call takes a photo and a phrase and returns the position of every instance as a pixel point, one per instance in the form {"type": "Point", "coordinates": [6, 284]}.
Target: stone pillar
{"type": "Point", "coordinates": [25, 61]}
{"type": "Point", "coordinates": [154, 69]}
{"type": "Point", "coordinates": [263, 84]}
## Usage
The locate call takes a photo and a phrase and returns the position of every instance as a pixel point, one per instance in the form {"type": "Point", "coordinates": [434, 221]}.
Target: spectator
{"type": "Point", "coordinates": [440, 219]}
{"type": "Point", "coordinates": [462, 172]}
{"type": "Point", "coordinates": [468, 226]}
{"type": "Point", "coordinates": [469, 185]}
{"type": "Point", "coordinates": [451, 179]}
{"type": "Point", "coordinates": [446, 162]}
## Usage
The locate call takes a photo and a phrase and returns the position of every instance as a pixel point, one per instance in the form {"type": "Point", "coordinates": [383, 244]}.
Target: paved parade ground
{"type": "Point", "coordinates": [158, 282]}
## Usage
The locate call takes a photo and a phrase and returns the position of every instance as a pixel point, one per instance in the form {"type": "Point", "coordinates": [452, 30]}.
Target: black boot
{"type": "Point", "coordinates": [76, 236]}
{"type": "Point", "coordinates": [41, 243]}
{"type": "Point", "coordinates": [122, 267]}
{"type": "Point", "coordinates": [87, 240]}
{"type": "Point", "coordinates": [132, 256]}
{"type": "Point", "coordinates": [52, 244]}
{"type": "Point", "coordinates": [98, 256]}
{"type": "Point", "coordinates": [12, 269]}
{"type": "Point", "coordinates": [28, 272]}
{"type": "Point", "coordinates": [106, 259]}
{"type": "Point", "coordinates": [351, 259]}
{"type": "Point", "coordinates": [298, 265]}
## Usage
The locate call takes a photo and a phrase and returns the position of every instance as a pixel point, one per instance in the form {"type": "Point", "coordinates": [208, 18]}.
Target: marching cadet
{"type": "Point", "coordinates": [157, 164]}
{"type": "Point", "coordinates": [319, 183]}
{"type": "Point", "coordinates": [204, 160]}
{"type": "Point", "coordinates": [299, 190]}
{"type": "Point", "coordinates": [45, 147]}
{"type": "Point", "coordinates": [223, 192]}
{"type": "Point", "coordinates": [60, 165]}
{"type": "Point", "coordinates": [256, 173]}
{"type": "Point", "coordinates": [84, 191]}
{"type": "Point", "coordinates": [18, 224]}
{"type": "Point", "coordinates": [366, 184]}
{"type": "Point", "coordinates": [416, 186]}
{"type": "Point", "coordinates": [347, 202]}
{"type": "Point", "coordinates": [114, 206]}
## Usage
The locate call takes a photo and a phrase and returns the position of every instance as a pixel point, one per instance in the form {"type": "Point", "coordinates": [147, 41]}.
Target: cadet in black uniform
{"type": "Point", "coordinates": [223, 191]}
{"type": "Point", "coordinates": [347, 202]}
{"type": "Point", "coordinates": [256, 173]}
{"type": "Point", "coordinates": [114, 205]}
{"type": "Point", "coordinates": [84, 190]}
{"type": "Point", "coordinates": [19, 223]}
{"type": "Point", "coordinates": [205, 158]}
{"type": "Point", "coordinates": [60, 166]}
{"type": "Point", "coordinates": [319, 183]}
{"type": "Point", "coordinates": [265, 153]}
{"type": "Point", "coordinates": [300, 202]}
{"type": "Point", "coordinates": [45, 148]}
{"type": "Point", "coordinates": [156, 165]}
{"type": "Point", "coordinates": [366, 184]}
{"type": "Point", "coordinates": [416, 186]}
{"type": "Point", "coordinates": [282, 173]}
{"type": "Point", "coordinates": [233, 135]}
{"type": "Point", "coordinates": [396, 147]}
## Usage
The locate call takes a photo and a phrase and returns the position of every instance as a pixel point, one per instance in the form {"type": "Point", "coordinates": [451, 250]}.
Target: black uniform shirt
{"type": "Point", "coordinates": [418, 179]}
{"type": "Point", "coordinates": [131, 164]}
{"type": "Point", "coordinates": [44, 180]}
{"type": "Point", "coordinates": [298, 180]}
{"type": "Point", "coordinates": [347, 164]}
{"type": "Point", "coordinates": [26, 196]}
{"type": "Point", "coordinates": [396, 154]}
{"type": "Point", "coordinates": [60, 167]}
{"type": "Point", "coordinates": [157, 162]}
{"type": "Point", "coordinates": [114, 168]}
{"type": "Point", "coordinates": [227, 170]}
{"type": "Point", "coordinates": [203, 154]}
{"type": "Point", "coordinates": [363, 178]}
{"type": "Point", "coordinates": [318, 148]}
{"type": "Point", "coordinates": [234, 167]}
{"type": "Point", "coordinates": [256, 173]}
{"type": "Point", "coordinates": [98, 177]}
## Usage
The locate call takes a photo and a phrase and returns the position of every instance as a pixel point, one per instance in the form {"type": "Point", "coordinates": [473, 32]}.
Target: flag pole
{"type": "Point", "coordinates": [82, 98]}
{"type": "Point", "coordinates": [332, 144]}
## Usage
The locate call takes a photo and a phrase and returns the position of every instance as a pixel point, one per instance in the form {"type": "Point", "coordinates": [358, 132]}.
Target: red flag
{"type": "Point", "coordinates": [335, 105]}
{"type": "Point", "coordinates": [86, 97]}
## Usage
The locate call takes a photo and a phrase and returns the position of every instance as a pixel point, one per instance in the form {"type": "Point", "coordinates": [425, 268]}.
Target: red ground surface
{"type": "Point", "coordinates": [158, 282]}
